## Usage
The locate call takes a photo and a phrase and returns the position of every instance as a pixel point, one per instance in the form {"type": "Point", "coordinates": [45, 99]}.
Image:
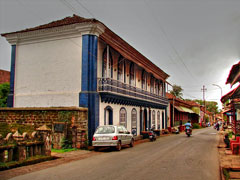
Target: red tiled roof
{"type": "Point", "coordinates": [235, 93]}
{"type": "Point", "coordinates": [234, 74]}
{"type": "Point", "coordinates": [170, 96]}
{"type": "Point", "coordinates": [66, 21]}
{"type": "Point", "coordinates": [193, 103]}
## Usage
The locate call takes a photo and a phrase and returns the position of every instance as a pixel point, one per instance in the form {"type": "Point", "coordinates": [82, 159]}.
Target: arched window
{"type": "Point", "coordinates": [121, 69]}
{"type": "Point", "coordinates": [134, 121]}
{"type": "Point", "coordinates": [152, 85]}
{"type": "Point", "coordinates": [132, 75]}
{"type": "Point", "coordinates": [157, 87]}
{"type": "Point", "coordinates": [158, 120]}
{"type": "Point", "coordinates": [123, 117]}
{"type": "Point", "coordinates": [153, 119]}
{"type": "Point", "coordinates": [110, 64]}
{"type": "Point", "coordinates": [144, 80]}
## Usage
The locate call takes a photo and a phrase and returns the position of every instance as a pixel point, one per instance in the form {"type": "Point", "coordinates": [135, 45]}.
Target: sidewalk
{"type": "Point", "coordinates": [229, 163]}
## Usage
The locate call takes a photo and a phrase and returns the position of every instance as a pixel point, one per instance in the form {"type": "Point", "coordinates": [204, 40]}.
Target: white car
{"type": "Point", "coordinates": [112, 136]}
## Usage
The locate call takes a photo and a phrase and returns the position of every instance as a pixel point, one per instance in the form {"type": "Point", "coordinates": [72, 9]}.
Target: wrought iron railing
{"type": "Point", "coordinates": [112, 85]}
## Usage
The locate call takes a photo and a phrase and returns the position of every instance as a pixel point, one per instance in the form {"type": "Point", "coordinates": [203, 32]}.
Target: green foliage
{"type": "Point", "coordinates": [4, 91]}
{"type": "Point", "coordinates": [66, 143]}
{"type": "Point", "coordinates": [230, 133]}
{"type": "Point", "coordinates": [226, 174]}
{"type": "Point", "coordinates": [196, 126]}
{"type": "Point", "coordinates": [4, 129]}
{"type": "Point", "coordinates": [11, 128]}
{"type": "Point", "coordinates": [211, 106]}
{"type": "Point", "coordinates": [64, 150]}
{"type": "Point", "coordinates": [65, 116]}
{"type": "Point", "coordinates": [177, 91]}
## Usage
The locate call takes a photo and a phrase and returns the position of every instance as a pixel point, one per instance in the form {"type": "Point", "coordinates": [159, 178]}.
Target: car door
{"type": "Point", "coordinates": [120, 134]}
{"type": "Point", "coordinates": [127, 136]}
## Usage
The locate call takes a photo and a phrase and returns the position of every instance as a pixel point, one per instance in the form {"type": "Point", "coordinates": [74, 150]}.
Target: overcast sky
{"type": "Point", "coordinates": [195, 41]}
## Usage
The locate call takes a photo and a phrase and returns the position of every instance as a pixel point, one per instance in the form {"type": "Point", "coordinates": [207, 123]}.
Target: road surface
{"type": "Point", "coordinates": [175, 157]}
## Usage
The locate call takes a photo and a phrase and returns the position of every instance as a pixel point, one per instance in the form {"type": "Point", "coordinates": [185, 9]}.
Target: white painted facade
{"type": "Point", "coordinates": [116, 119]}
{"type": "Point", "coordinates": [48, 73]}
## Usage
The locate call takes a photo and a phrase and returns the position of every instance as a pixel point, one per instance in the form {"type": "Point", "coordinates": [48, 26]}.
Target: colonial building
{"type": "Point", "coordinates": [81, 62]}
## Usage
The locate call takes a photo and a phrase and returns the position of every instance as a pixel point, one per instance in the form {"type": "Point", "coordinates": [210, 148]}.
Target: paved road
{"type": "Point", "coordinates": [174, 157]}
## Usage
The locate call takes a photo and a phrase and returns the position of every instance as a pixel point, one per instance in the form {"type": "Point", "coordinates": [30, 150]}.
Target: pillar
{"type": "Point", "coordinates": [89, 97]}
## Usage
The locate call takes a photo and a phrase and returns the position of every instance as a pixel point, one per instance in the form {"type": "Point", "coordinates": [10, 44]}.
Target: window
{"type": "Point", "coordinates": [121, 69]}
{"type": "Point", "coordinates": [153, 119]}
{"type": "Point", "coordinates": [134, 121]}
{"type": "Point", "coordinates": [123, 117]}
{"type": "Point", "coordinates": [157, 87]}
{"type": "Point", "coordinates": [110, 64]}
{"type": "Point", "coordinates": [152, 85]}
{"type": "Point", "coordinates": [144, 80]}
{"type": "Point", "coordinates": [131, 73]}
{"type": "Point", "coordinates": [161, 89]}
{"type": "Point", "coordinates": [158, 120]}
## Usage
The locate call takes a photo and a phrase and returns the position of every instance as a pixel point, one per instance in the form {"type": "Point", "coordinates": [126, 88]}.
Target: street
{"type": "Point", "coordinates": [172, 157]}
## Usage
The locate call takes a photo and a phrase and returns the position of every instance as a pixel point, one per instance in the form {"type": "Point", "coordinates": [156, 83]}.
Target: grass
{"type": "Point", "coordinates": [64, 150]}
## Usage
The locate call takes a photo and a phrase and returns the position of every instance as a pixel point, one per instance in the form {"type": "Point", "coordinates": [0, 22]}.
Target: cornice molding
{"type": "Point", "coordinates": [56, 33]}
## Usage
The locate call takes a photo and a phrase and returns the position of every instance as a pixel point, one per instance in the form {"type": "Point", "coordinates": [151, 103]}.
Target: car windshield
{"type": "Point", "coordinates": [105, 130]}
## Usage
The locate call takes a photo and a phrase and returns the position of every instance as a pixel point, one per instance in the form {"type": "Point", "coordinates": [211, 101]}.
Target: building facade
{"type": "Point", "coordinates": [81, 62]}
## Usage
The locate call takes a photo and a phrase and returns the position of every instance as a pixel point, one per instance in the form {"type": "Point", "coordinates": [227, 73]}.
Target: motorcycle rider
{"type": "Point", "coordinates": [188, 125]}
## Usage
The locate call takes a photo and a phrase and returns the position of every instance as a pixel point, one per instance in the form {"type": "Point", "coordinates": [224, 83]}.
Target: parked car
{"type": "Point", "coordinates": [112, 136]}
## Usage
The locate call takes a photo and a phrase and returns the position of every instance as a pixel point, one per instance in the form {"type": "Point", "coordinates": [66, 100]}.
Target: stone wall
{"type": "Point", "coordinates": [70, 123]}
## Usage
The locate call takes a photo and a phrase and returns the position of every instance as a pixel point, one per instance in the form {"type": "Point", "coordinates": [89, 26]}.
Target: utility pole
{"type": "Point", "coordinates": [204, 102]}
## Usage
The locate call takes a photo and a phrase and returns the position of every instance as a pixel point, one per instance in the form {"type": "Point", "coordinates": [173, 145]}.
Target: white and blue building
{"type": "Point", "coordinates": [81, 62]}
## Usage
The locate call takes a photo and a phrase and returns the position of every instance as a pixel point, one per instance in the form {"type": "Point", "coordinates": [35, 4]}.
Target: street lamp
{"type": "Point", "coordinates": [221, 94]}
{"type": "Point", "coordinates": [219, 87]}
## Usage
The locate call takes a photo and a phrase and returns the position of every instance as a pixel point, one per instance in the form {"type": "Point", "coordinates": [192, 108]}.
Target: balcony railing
{"type": "Point", "coordinates": [114, 86]}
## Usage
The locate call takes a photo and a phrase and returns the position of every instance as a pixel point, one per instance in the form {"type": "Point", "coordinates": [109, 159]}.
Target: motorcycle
{"type": "Point", "coordinates": [152, 135]}
{"type": "Point", "coordinates": [188, 132]}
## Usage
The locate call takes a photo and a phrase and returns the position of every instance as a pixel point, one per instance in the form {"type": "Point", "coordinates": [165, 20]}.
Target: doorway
{"type": "Point", "coordinates": [145, 120]}
{"type": "Point", "coordinates": [108, 116]}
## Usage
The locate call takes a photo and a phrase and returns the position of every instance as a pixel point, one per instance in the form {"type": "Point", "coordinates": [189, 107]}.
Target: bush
{"type": "Point", "coordinates": [66, 144]}
{"type": "Point", "coordinates": [230, 133]}
{"type": "Point", "coordinates": [196, 126]}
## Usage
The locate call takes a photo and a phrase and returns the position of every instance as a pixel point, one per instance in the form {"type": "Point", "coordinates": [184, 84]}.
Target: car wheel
{"type": "Point", "coordinates": [132, 143]}
{"type": "Point", "coordinates": [119, 146]}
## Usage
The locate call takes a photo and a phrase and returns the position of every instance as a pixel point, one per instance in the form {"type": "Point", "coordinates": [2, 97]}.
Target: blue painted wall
{"type": "Point", "coordinates": [89, 96]}
{"type": "Point", "coordinates": [10, 100]}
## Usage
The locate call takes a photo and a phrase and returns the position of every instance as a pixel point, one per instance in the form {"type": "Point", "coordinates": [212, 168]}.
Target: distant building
{"type": "Point", "coordinates": [181, 111]}
{"type": "Point", "coordinates": [4, 76]}
{"type": "Point", "coordinates": [81, 62]}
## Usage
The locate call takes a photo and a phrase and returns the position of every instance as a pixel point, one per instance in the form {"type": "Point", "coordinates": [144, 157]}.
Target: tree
{"type": "Point", "coordinates": [177, 91]}
{"type": "Point", "coordinates": [211, 106]}
{"type": "Point", "coordinates": [4, 91]}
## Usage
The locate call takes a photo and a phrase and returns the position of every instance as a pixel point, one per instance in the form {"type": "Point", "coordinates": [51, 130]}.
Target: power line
{"type": "Point", "coordinates": [69, 6]}
{"type": "Point", "coordinates": [85, 8]}
{"type": "Point", "coordinates": [169, 42]}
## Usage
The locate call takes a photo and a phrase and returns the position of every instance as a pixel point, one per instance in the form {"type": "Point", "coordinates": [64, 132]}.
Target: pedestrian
{"type": "Point", "coordinates": [217, 126]}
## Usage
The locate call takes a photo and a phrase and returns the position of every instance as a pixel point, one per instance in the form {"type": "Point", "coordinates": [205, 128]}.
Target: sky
{"type": "Point", "coordinates": [195, 42]}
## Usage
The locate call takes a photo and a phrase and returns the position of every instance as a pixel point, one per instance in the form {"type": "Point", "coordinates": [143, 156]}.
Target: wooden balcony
{"type": "Point", "coordinates": [108, 85]}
